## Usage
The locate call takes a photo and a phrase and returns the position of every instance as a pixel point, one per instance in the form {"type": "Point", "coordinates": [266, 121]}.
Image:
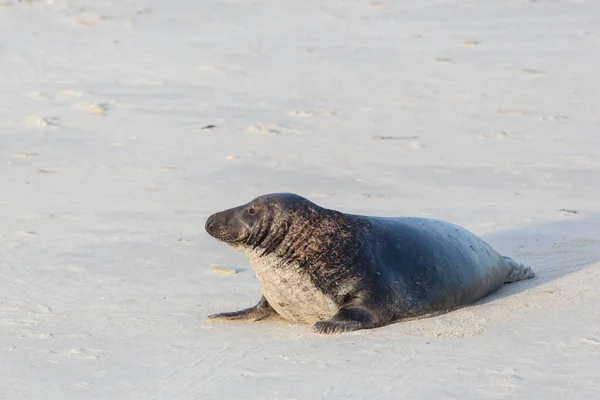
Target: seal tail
{"type": "Point", "coordinates": [519, 271]}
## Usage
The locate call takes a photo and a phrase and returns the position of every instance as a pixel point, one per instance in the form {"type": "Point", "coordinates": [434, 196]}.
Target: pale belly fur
{"type": "Point", "coordinates": [292, 294]}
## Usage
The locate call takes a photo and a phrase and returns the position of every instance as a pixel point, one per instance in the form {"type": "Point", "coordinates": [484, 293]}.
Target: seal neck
{"type": "Point", "coordinates": [304, 237]}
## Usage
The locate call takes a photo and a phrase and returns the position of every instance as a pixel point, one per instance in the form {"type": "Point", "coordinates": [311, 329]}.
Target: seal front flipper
{"type": "Point", "coordinates": [349, 318]}
{"type": "Point", "coordinates": [260, 311]}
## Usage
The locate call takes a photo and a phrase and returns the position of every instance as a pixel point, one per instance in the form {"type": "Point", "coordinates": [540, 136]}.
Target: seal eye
{"type": "Point", "coordinates": [252, 210]}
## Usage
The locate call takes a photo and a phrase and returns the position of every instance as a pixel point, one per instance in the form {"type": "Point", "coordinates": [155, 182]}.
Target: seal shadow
{"type": "Point", "coordinates": [552, 249]}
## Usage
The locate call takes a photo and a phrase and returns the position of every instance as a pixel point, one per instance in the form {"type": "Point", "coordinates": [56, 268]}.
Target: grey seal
{"type": "Point", "coordinates": [343, 272]}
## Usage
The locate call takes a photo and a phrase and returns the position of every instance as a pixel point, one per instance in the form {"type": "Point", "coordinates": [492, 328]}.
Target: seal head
{"type": "Point", "coordinates": [251, 224]}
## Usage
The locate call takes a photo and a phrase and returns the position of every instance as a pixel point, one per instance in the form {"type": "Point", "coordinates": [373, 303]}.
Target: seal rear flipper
{"type": "Point", "coordinates": [347, 319]}
{"type": "Point", "coordinates": [518, 271]}
{"type": "Point", "coordinates": [260, 311]}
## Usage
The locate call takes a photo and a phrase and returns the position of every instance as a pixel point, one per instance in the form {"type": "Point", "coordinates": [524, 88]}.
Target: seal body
{"type": "Point", "coordinates": [343, 272]}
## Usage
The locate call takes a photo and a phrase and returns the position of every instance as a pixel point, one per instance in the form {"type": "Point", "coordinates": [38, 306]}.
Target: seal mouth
{"type": "Point", "coordinates": [218, 231]}
{"type": "Point", "coordinates": [226, 237]}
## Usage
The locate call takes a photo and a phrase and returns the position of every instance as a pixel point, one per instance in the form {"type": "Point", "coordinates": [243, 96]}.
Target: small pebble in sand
{"type": "Point", "coordinates": [99, 108]}
{"type": "Point", "coordinates": [224, 270]}
{"type": "Point", "coordinates": [567, 211]}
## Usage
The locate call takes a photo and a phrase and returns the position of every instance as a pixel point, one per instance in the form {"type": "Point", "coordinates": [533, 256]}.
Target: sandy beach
{"type": "Point", "coordinates": [125, 124]}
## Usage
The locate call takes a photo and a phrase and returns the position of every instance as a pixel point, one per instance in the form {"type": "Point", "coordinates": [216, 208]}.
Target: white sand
{"type": "Point", "coordinates": [108, 176]}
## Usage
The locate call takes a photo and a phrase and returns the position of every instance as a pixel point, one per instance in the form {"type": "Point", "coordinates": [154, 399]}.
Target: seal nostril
{"type": "Point", "coordinates": [210, 222]}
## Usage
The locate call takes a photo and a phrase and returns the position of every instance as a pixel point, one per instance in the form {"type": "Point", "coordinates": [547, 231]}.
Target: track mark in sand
{"type": "Point", "coordinates": [23, 319]}
{"type": "Point", "coordinates": [28, 334]}
{"type": "Point", "coordinates": [63, 267]}
{"type": "Point", "coordinates": [312, 113]}
{"type": "Point", "coordinates": [456, 325]}
{"type": "Point", "coordinates": [443, 60]}
{"type": "Point", "coordinates": [374, 196]}
{"type": "Point", "coordinates": [81, 385]}
{"type": "Point", "coordinates": [23, 313]}
{"type": "Point", "coordinates": [144, 11]}
{"type": "Point", "coordinates": [457, 332]}
{"type": "Point", "coordinates": [321, 195]}
{"type": "Point", "coordinates": [380, 137]}
{"type": "Point", "coordinates": [24, 155]}
{"type": "Point", "coordinates": [17, 324]}
{"type": "Point", "coordinates": [508, 378]}
{"type": "Point", "coordinates": [411, 142]}
{"type": "Point", "coordinates": [470, 43]}
{"type": "Point", "coordinates": [84, 18]}
{"type": "Point", "coordinates": [37, 121]}
{"type": "Point", "coordinates": [555, 118]}
{"type": "Point", "coordinates": [25, 233]}
{"type": "Point", "coordinates": [31, 307]}
{"type": "Point", "coordinates": [40, 95]}
{"type": "Point", "coordinates": [513, 112]}
{"type": "Point", "coordinates": [533, 71]}
{"type": "Point", "coordinates": [70, 93]}
{"type": "Point", "coordinates": [567, 211]}
{"type": "Point", "coordinates": [224, 270]}
{"type": "Point", "coordinates": [495, 136]}
{"type": "Point", "coordinates": [591, 341]}
{"type": "Point", "coordinates": [167, 168]}
{"type": "Point", "coordinates": [571, 244]}
{"type": "Point", "coordinates": [35, 216]}
{"type": "Point", "coordinates": [99, 109]}
{"type": "Point", "coordinates": [263, 129]}
{"type": "Point", "coordinates": [86, 354]}
{"type": "Point", "coordinates": [248, 373]}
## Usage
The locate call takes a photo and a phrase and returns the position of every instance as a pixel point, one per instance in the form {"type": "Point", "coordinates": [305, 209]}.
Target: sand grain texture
{"type": "Point", "coordinates": [109, 170]}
